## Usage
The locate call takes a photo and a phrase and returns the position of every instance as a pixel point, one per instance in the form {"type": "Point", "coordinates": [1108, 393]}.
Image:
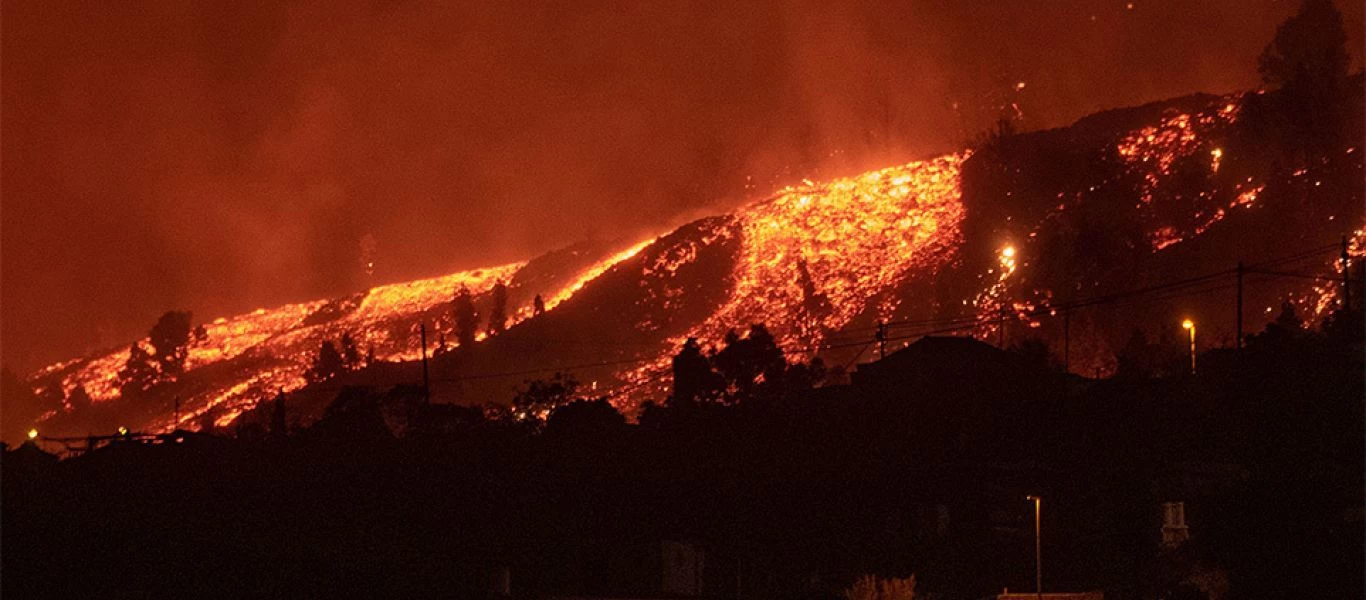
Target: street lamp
{"type": "Point", "coordinates": [1189, 325]}
{"type": "Point", "coordinates": [1038, 549]}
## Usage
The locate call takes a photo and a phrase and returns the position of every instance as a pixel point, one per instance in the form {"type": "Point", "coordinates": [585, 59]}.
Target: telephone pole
{"type": "Point", "coordinates": [881, 338]}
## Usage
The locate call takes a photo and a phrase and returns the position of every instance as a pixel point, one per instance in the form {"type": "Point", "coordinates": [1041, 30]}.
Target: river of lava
{"type": "Point", "coordinates": [273, 348]}
{"type": "Point", "coordinates": [812, 255]}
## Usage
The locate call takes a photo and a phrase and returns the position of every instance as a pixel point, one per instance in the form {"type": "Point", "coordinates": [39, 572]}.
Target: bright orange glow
{"type": "Point", "coordinates": [809, 261]}
{"type": "Point", "coordinates": [280, 342]}
{"type": "Point", "coordinates": [847, 239]}
{"type": "Point", "coordinates": [33, 434]}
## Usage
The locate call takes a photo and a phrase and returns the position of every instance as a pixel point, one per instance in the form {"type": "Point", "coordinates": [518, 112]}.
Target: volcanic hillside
{"type": "Point", "coordinates": [1017, 238]}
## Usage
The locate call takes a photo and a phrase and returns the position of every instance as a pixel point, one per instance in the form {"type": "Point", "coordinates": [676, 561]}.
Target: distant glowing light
{"type": "Point", "coordinates": [1008, 252]}
{"type": "Point", "coordinates": [1188, 324]}
{"type": "Point", "coordinates": [1020, 86]}
{"type": "Point", "coordinates": [33, 434]}
{"type": "Point", "coordinates": [123, 430]}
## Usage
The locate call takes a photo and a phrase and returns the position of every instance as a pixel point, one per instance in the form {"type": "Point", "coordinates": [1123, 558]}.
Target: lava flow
{"type": "Point", "coordinates": [811, 262]}
{"type": "Point", "coordinates": [812, 255]}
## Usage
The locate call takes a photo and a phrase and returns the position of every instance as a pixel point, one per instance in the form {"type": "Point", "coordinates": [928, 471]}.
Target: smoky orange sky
{"type": "Point", "coordinates": [219, 157]}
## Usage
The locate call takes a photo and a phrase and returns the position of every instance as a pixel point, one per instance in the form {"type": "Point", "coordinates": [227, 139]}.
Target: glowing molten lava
{"type": "Point", "coordinates": [810, 262]}
{"type": "Point", "coordinates": [811, 256]}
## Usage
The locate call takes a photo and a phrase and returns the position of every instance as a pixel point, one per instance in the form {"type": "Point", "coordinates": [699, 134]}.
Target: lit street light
{"type": "Point", "coordinates": [1189, 325]}
{"type": "Point", "coordinates": [1038, 549]}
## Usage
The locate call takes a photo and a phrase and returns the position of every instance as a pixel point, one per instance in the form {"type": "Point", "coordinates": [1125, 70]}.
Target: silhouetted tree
{"type": "Point", "coordinates": [804, 376]}
{"type": "Point", "coordinates": [590, 418]}
{"type": "Point", "coordinates": [1308, 61]}
{"type": "Point", "coordinates": [1285, 329]}
{"type": "Point", "coordinates": [814, 303]}
{"type": "Point", "coordinates": [350, 354]}
{"type": "Point", "coordinates": [279, 427]}
{"type": "Point", "coordinates": [79, 399]}
{"type": "Point", "coordinates": [694, 379]}
{"type": "Point", "coordinates": [208, 420]}
{"type": "Point", "coordinates": [1036, 353]}
{"type": "Point", "coordinates": [466, 319]}
{"type": "Point", "coordinates": [170, 338]}
{"type": "Point", "coordinates": [537, 306]}
{"type": "Point", "coordinates": [750, 364]}
{"type": "Point", "coordinates": [328, 363]}
{"type": "Point", "coordinates": [540, 396]}
{"type": "Point", "coordinates": [355, 415]}
{"type": "Point", "coordinates": [1310, 48]}
{"type": "Point", "coordinates": [498, 316]}
{"type": "Point", "coordinates": [1345, 326]}
{"type": "Point", "coordinates": [139, 372]}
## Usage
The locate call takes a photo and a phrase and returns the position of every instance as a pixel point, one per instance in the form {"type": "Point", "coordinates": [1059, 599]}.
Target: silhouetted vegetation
{"type": "Point", "coordinates": [920, 466]}
{"type": "Point", "coordinates": [498, 313]}
{"type": "Point", "coordinates": [328, 363]}
{"type": "Point", "coordinates": [466, 319]}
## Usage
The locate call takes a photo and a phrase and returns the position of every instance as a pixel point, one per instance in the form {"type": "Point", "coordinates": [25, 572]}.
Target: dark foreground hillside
{"type": "Point", "coordinates": [919, 465]}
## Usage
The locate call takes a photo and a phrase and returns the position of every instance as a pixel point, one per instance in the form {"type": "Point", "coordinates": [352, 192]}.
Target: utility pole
{"type": "Point", "coordinates": [175, 424]}
{"type": "Point", "coordinates": [426, 380]}
{"type": "Point", "coordinates": [1238, 344]}
{"type": "Point", "coordinates": [881, 338]}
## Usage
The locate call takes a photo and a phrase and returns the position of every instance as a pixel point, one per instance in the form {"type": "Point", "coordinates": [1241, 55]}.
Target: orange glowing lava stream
{"type": "Point", "coordinates": [809, 259]}
{"type": "Point", "coordinates": [285, 339]}
{"type": "Point", "coordinates": [852, 237]}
